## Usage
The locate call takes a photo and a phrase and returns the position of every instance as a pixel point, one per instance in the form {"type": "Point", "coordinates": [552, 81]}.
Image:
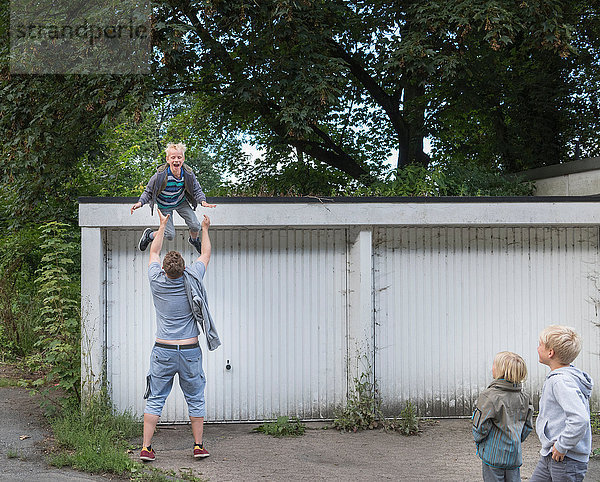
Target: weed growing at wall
{"type": "Point", "coordinates": [282, 427]}
{"type": "Point", "coordinates": [363, 409]}
{"type": "Point", "coordinates": [407, 423]}
{"type": "Point", "coordinates": [59, 329]}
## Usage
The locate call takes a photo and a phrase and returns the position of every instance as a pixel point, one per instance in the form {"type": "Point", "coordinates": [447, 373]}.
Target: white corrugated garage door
{"type": "Point", "coordinates": [278, 297]}
{"type": "Point", "coordinates": [447, 299]}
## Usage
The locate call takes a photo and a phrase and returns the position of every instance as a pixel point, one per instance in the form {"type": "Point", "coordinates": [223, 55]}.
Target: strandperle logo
{"type": "Point", "coordinates": [92, 33]}
{"type": "Point", "coordinates": [80, 37]}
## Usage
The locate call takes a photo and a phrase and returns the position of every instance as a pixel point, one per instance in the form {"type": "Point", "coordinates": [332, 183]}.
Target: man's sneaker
{"type": "Point", "coordinates": [145, 240]}
{"type": "Point", "coordinates": [147, 454]}
{"type": "Point", "coordinates": [195, 242]}
{"type": "Point", "coordinates": [200, 452]}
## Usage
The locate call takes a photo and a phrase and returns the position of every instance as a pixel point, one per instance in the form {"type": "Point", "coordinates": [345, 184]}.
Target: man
{"type": "Point", "coordinates": [176, 349]}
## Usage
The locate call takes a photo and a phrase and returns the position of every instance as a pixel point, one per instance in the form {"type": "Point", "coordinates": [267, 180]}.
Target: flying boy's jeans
{"type": "Point", "coordinates": [492, 474]}
{"type": "Point", "coordinates": [188, 215]}
{"type": "Point", "coordinates": [164, 364]}
{"type": "Point", "coordinates": [569, 470]}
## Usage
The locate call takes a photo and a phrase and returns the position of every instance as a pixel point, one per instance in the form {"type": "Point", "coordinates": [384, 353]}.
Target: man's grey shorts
{"type": "Point", "coordinates": [164, 364]}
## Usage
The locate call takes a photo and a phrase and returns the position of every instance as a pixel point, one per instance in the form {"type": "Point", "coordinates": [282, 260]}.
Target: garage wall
{"type": "Point", "coordinates": [307, 296]}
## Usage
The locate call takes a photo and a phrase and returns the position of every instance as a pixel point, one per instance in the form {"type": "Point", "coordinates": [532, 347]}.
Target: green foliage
{"type": "Point", "coordinates": [95, 439]}
{"type": "Point", "coordinates": [49, 123]}
{"type": "Point", "coordinates": [19, 305]}
{"type": "Point", "coordinates": [282, 427]}
{"type": "Point", "coordinates": [595, 422]}
{"type": "Point", "coordinates": [14, 454]}
{"type": "Point", "coordinates": [451, 179]}
{"type": "Point", "coordinates": [345, 83]}
{"type": "Point", "coordinates": [363, 408]}
{"type": "Point", "coordinates": [59, 330]}
{"type": "Point", "coordinates": [129, 156]}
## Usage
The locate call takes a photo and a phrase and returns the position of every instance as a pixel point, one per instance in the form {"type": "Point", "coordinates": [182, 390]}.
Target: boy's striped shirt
{"type": "Point", "coordinates": [174, 194]}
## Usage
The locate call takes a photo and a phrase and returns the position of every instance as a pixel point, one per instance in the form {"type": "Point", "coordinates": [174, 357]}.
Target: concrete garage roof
{"type": "Point", "coordinates": [329, 212]}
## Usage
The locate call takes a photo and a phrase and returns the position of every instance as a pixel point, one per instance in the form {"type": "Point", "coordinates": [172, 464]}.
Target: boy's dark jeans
{"type": "Point", "coordinates": [492, 474]}
{"type": "Point", "coordinates": [569, 470]}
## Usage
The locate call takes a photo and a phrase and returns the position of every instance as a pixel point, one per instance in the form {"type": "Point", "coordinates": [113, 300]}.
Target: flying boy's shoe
{"type": "Point", "coordinates": [200, 452]}
{"type": "Point", "coordinates": [147, 454]}
{"type": "Point", "coordinates": [145, 240]}
{"type": "Point", "coordinates": [195, 242]}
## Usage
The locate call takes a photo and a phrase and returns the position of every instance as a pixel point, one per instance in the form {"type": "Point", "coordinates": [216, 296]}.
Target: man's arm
{"type": "Point", "coordinates": [157, 242]}
{"type": "Point", "coordinates": [206, 247]}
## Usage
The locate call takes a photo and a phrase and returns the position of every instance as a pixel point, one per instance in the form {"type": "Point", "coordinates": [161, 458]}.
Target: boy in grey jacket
{"type": "Point", "coordinates": [174, 187]}
{"type": "Point", "coordinates": [502, 419]}
{"type": "Point", "coordinates": [563, 424]}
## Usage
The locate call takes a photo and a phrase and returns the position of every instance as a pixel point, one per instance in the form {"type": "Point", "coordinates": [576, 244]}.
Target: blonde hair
{"type": "Point", "coordinates": [510, 366]}
{"type": "Point", "coordinates": [564, 340]}
{"type": "Point", "coordinates": [178, 147]}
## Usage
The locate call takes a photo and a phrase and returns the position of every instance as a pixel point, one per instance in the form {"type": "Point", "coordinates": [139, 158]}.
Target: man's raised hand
{"type": "Point", "coordinates": [163, 218]}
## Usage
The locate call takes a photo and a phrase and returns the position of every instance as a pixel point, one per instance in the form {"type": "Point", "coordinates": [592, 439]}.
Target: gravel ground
{"type": "Point", "coordinates": [444, 451]}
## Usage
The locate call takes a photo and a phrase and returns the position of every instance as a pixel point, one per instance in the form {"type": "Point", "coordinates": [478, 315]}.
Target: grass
{"type": "Point", "coordinates": [95, 440]}
{"type": "Point", "coordinates": [8, 382]}
{"type": "Point", "coordinates": [12, 454]}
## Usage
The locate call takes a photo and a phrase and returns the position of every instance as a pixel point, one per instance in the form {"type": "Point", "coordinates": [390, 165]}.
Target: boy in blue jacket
{"type": "Point", "coordinates": [502, 419]}
{"type": "Point", "coordinates": [563, 424]}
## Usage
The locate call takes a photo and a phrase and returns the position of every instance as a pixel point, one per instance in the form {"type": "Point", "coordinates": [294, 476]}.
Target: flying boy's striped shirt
{"type": "Point", "coordinates": [174, 194]}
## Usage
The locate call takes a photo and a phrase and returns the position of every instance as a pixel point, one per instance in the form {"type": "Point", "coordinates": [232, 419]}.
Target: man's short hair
{"type": "Point", "coordinates": [510, 366]}
{"type": "Point", "coordinates": [178, 147]}
{"type": "Point", "coordinates": [564, 340]}
{"type": "Point", "coordinates": [173, 264]}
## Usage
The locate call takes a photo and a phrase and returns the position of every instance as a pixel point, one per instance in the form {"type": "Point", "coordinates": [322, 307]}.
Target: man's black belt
{"type": "Point", "coordinates": [177, 347]}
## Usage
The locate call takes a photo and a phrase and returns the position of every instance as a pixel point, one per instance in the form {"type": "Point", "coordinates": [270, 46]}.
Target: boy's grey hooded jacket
{"type": "Point", "coordinates": [502, 419]}
{"type": "Point", "coordinates": [158, 183]}
{"type": "Point", "coordinates": [196, 294]}
{"type": "Point", "coordinates": [564, 419]}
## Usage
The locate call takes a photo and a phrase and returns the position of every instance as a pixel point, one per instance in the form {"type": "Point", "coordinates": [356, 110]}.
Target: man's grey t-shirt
{"type": "Point", "coordinates": [174, 318]}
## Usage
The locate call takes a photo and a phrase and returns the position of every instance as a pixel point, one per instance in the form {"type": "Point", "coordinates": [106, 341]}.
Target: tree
{"type": "Point", "coordinates": [523, 107]}
{"type": "Point", "coordinates": [343, 82]}
{"type": "Point", "coordinates": [320, 84]}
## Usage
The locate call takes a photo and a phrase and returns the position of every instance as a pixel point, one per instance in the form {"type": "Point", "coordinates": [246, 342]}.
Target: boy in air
{"type": "Point", "coordinates": [173, 187]}
{"type": "Point", "coordinates": [563, 424]}
{"type": "Point", "coordinates": [502, 419]}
